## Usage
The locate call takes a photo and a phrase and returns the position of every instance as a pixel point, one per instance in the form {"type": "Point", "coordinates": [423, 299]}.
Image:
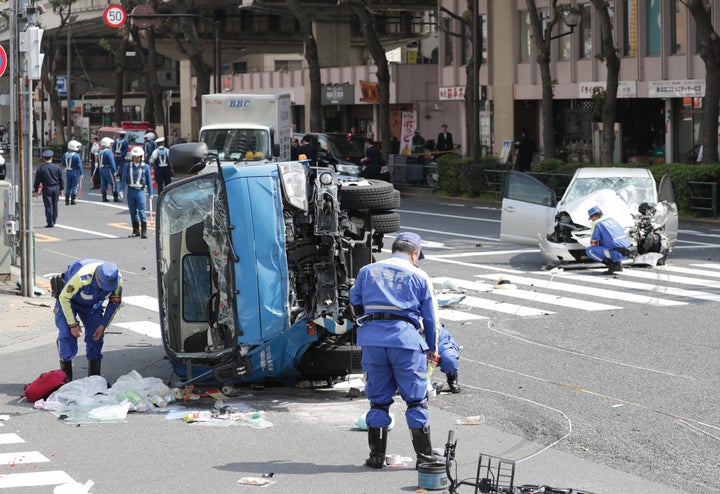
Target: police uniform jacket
{"type": "Point", "coordinates": [160, 157]}
{"type": "Point", "coordinates": [138, 177]}
{"type": "Point", "coordinates": [82, 293]}
{"type": "Point", "coordinates": [609, 234]}
{"type": "Point", "coordinates": [120, 148]}
{"type": "Point", "coordinates": [395, 286]}
{"type": "Point", "coordinates": [72, 162]}
{"type": "Point", "coordinates": [107, 160]}
{"type": "Point", "coordinates": [50, 176]}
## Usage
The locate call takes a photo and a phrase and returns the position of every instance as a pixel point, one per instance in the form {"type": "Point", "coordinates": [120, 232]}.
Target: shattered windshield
{"type": "Point", "coordinates": [194, 259]}
{"type": "Point", "coordinates": [237, 144]}
{"type": "Point", "coordinates": [632, 190]}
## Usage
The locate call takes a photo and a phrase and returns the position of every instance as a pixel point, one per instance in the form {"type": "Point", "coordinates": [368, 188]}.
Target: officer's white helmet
{"type": "Point", "coordinates": [150, 136]}
{"type": "Point", "coordinates": [74, 145]}
{"type": "Point", "coordinates": [106, 142]}
{"type": "Point", "coordinates": [137, 151]}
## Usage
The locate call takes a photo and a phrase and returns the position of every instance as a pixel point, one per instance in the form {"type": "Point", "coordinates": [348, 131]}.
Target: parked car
{"type": "Point", "coordinates": [134, 133]}
{"type": "Point", "coordinates": [255, 264]}
{"type": "Point", "coordinates": [532, 215]}
{"type": "Point", "coordinates": [339, 151]}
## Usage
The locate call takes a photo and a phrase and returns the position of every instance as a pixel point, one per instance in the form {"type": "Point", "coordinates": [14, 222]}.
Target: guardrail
{"type": "Point", "coordinates": [702, 196]}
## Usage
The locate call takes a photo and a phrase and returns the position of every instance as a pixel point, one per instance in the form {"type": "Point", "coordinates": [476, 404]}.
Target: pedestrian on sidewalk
{"type": "Point", "coordinates": [88, 282]}
{"type": "Point", "coordinates": [50, 177]}
{"type": "Point", "coordinates": [390, 299]}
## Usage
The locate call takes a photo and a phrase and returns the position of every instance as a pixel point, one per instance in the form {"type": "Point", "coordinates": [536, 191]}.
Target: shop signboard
{"type": "Point", "coordinates": [677, 89]}
{"type": "Point", "coordinates": [626, 89]}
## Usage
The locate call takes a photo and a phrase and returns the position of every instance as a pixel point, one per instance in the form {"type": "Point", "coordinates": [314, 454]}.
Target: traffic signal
{"type": "Point", "coordinates": [30, 40]}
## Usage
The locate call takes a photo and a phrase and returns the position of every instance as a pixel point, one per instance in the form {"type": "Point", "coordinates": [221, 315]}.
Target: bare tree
{"type": "Point", "coordinates": [608, 53]}
{"type": "Point", "coordinates": [710, 54]}
{"type": "Point", "coordinates": [153, 111]}
{"type": "Point", "coordinates": [470, 21]}
{"type": "Point", "coordinates": [542, 39]}
{"type": "Point", "coordinates": [363, 9]}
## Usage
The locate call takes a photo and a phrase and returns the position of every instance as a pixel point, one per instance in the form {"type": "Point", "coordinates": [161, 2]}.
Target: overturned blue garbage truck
{"type": "Point", "coordinates": [254, 267]}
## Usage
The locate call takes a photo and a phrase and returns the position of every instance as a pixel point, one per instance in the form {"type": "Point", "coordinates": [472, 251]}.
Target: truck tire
{"type": "Point", "coordinates": [385, 222]}
{"type": "Point", "coordinates": [329, 360]}
{"type": "Point", "coordinates": [369, 194]}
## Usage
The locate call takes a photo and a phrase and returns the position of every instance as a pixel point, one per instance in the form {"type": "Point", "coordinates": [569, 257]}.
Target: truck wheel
{"type": "Point", "coordinates": [385, 222]}
{"type": "Point", "coordinates": [369, 194]}
{"type": "Point", "coordinates": [329, 360]}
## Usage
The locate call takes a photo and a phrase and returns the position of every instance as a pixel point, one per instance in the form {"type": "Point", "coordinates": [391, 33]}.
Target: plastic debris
{"type": "Point", "coordinates": [472, 420]}
{"type": "Point", "coordinates": [361, 424]}
{"type": "Point", "coordinates": [256, 481]}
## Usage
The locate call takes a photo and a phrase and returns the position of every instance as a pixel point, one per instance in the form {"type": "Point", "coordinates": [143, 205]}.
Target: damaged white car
{"type": "Point", "coordinates": [532, 215]}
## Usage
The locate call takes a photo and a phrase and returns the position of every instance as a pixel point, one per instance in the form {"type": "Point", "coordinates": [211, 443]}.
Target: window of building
{"type": "Point", "coordinates": [630, 28]}
{"type": "Point", "coordinates": [564, 42]}
{"type": "Point", "coordinates": [654, 27]}
{"type": "Point", "coordinates": [678, 27]}
{"type": "Point", "coordinates": [525, 39]}
{"type": "Point", "coordinates": [287, 65]}
{"type": "Point", "coordinates": [585, 27]}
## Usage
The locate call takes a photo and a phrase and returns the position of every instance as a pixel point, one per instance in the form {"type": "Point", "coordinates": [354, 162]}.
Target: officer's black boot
{"type": "Point", "coordinates": [94, 367]}
{"type": "Point", "coordinates": [66, 367]}
{"type": "Point", "coordinates": [67, 200]}
{"type": "Point", "coordinates": [115, 197]}
{"type": "Point", "coordinates": [452, 381]}
{"type": "Point", "coordinates": [377, 439]}
{"type": "Point", "coordinates": [72, 199]}
{"type": "Point", "coordinates": [143, 229]}
{"type": "Point", "coordinates": [423, 447]}
{"type": "Point", "coordinates": [104, 196]}
{"type": "Point", "coordinates": [136, 229]}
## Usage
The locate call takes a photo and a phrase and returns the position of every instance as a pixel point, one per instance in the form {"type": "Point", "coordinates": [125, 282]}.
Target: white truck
{"type": "Point", "coordinates": [247, 129]}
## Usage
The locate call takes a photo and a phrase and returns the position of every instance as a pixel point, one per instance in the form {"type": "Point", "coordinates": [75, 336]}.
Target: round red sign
{"type": "Point", "coordinates": [3, 61]}
{"type": "Point", "coordinates": [114, 16]}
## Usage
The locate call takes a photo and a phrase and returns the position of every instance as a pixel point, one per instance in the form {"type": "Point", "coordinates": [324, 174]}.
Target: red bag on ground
{"type": "Point", "coordinates": [43, 386]}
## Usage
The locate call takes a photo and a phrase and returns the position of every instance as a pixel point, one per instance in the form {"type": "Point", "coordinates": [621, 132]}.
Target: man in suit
{"type": "Point", "coordinates": [444, 140]}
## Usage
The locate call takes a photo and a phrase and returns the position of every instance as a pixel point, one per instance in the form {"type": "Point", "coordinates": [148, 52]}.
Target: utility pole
{"type": "Point", "coordinates": [27, 63]}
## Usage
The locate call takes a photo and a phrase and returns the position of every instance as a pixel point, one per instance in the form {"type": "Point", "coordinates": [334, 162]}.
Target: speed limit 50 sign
{"type": "Point", "coordinates": [114, 16]}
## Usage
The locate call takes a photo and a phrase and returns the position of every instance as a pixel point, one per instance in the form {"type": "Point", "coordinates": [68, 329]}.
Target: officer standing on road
{"type": "Point", "coordinates": [107, 170]}
{"type": "Point", "coordinates": [150, 143]}
{"type": "Point", "coordinates": [608, 243]}
{"type": "Point", "coordinates": [88, 282]}
{"type": "Point", "coordinates": [73, 171]}
{"type": "Point", "coordinates": [160, 161]}
{"type": "Point", "coordinates": [120, 149]}
{"type": "Point", "coordinates": [50, 176]}
{"type": "Point", "coordinates": [137, 179]}
{"type": "Point", "coordinates": [95, 162]}
{"type": "Point", "coordinates": [391, 298]}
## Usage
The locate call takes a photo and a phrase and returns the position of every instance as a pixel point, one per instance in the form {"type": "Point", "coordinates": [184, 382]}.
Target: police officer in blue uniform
{"type": "Point", "coordinates": [137, 179]}
{"type": "Point", "coordinates": [449, 359]}
{"type": "Point", "coordinates": [72, 162]}
{"type": "Point", "coordinates": [107, 170]}
{"type": "Point", "coordinates": [120, 149]}
{"type": "Point", "coordinates": [398, 327]}
{"type": "Point", "coordinates": [88, 282]}
{"type": "Point", "coordinates": [160, 161]}
{"type": "Point", "coordinates": [608, 242]}
{"type": "Point", "coordinates": [150, 143]}
{"type": "Point", "coordinates": [50, 176]}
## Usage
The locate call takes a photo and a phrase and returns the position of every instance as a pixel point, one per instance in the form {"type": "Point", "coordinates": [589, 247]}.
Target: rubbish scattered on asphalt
{"type": "Point", "coordinates": [256, 481]}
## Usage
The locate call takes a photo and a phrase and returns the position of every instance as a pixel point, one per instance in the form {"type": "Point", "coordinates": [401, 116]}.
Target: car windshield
{"type": "Point", "coordinates": [237, 144]}
{"type": "Point", "coordinates": [135, 136]}
{"type": "Point", "coordinates": [630, 189]}
{"type": "Point", "coordinates": [344, 147]}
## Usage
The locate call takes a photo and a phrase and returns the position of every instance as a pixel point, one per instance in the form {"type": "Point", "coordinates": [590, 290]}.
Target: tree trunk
{"type": "Point", "coordinates": [377, 51]}
{"type": "Point", "coordinates": [311, 57]}
{"type": "Point", "coordinates": [472, 75]}
{"type": "Point", "coordinates": [710, 54]}
{"type": "Point", "coordinates": [609, 54]}
{"type": "Point", "coordinates": [50, 77]}
{"type": "Point", "coordinates": [542, 43]}
{"type": "Point", "coordinates": [119, 78]}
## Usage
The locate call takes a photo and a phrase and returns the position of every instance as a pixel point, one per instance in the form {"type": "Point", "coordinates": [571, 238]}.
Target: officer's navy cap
{"type": "Point", "coordinates": [107, 275]}
{"type": "Point", "coordinates": [593, 211]}
{"type": "Point", "coordinates": [48, 153]}
{"type": "Point", "coordinates": [412, 238]}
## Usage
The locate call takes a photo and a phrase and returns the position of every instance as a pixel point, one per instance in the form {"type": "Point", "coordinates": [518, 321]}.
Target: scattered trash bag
{"type": "Point", "coordinates": [78, 392]}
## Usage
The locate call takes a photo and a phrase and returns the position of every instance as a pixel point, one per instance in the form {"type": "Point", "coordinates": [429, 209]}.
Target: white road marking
{"type": "Point", "coordinates": [458, 315]}
{"type": "Point", "coordinates": [82, 230]}
{"type": "Point", "coordinates": [698, 272]}
{"type": "Point", "coordinates": [453, 216]}
{"type": "Point", "coordinates": [10, 438]}
{"type": "Point", "coordinates": [708, 266]}
{"type": "Point", "coordinates": [143, 301]}
{"type": "Point", "coordinates": [516, 310]}
{"type": "Point", "coordinates": [585, 290]}
{"type": "Point", "coordinates": [659, 274]}
{"type": "Point", "coordinates": [22, 457]}
{"type": "Point", "coordinates": [486, 253]}
{"type": "Point", "coordinates": [54, 477]}
{"type": "Point", "coordinates": [146, 328]}
{"type": "Point", "coordinates": [530, 296]}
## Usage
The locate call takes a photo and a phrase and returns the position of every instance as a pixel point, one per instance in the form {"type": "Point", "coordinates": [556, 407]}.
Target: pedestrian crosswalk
{"type": "Point", "coordinates": [545, 293]}
{"type": "Point", "coordinates": [19, 468]}
{"type": "Point", "coordinates": [491, 292]}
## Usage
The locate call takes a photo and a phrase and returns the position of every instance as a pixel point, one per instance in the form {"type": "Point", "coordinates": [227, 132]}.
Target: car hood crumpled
{"type": "Point", "coordinates": [612, 205]}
